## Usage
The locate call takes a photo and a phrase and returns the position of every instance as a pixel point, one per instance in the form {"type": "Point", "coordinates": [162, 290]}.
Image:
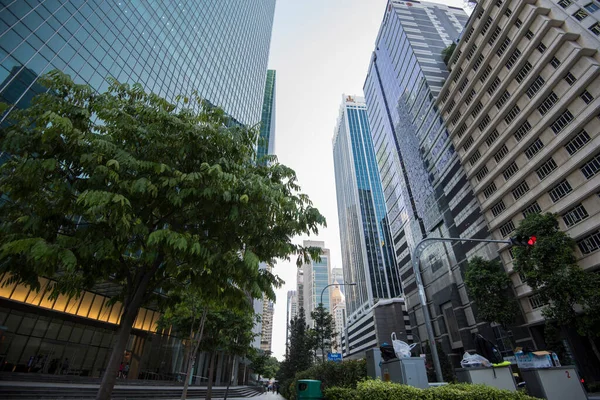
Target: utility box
{"type": "Point", "coordinates": [308, 389]}
{"type": "Point", "coordinates": [408, 371]}
{"type": "Point", "coordinates": [374, 363]}
{"type": "Point", "coordinates": [501, 377]}
{"type": "Point", "coordinates": [556, 383]}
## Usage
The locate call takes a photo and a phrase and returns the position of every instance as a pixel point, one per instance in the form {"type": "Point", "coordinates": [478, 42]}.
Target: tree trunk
{"type": "Point", "coordinates": [130, 312]}
{"type": "Point", "coordinates": [594, 347]}
{"type": "Point", "coordinates": [192, 355]}
{"type": "Point", "coordinates": [229, 377]}
{"type": "Point", "coordinates": [211, 373]}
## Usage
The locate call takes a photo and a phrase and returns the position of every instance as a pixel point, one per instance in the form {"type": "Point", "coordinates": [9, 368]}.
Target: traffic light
{"type": "Point", "coordinates": [523, 240]}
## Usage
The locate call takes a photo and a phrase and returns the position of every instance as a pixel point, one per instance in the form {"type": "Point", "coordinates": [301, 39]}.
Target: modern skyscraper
{"type": "Point", "coordinates": [338, 311]}
{"type": "Point", "coordinates": [266, 336]}
{"type": "Point", "coordinates": [218, 48]}
{"type": "Point", "coordinates": [427, 193]}
{"type": "Point", "coordinates": [367, 248]}
{"type": "Point", "coordinates": [316, 278]}
{"type": "Point", "coordinates": [266, 140]}
{"type": "Point", "coordinates": [337, 275]}
{"type": "Point", "coordinates": [521, 106]}
{"type": "Point", "coordinates": [291, 312]}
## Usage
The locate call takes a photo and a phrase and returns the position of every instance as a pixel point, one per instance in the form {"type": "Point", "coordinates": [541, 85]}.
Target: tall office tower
{"type": "Point", "coordinates": [291, 312]}
{"type": "Point", "coordinates": [367, 248]}
{"type": "Point", "coordinates": [266, 336]}
{"type": "Point", "coordinates": [527, 128]}
{"type": "Point", "coordinates": [427, 193]}
{"type": "Point", "coordinates": [300, 289]}
{"type": "Point", "coordinates": [337, 275]}
{"type": "Point", "coordinates": [218, 47]}
{"type": "Point", "coordinates": [338, 312]}
{"type": "Point", "coordinates": [266, 139]}
{"type": "Point", "coordinates": [316, 278]}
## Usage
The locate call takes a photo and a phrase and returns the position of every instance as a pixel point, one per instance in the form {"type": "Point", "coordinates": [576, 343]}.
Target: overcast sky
{"type": "Point", "coordinates": [320, 49]}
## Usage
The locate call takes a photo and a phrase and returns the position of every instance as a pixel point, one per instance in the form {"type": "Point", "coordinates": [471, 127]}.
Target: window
{"type": "Point", "coordinates": [535, 86]}
{"type": "Point", "coordinates": [463, 85]}
{"type": "Point", "coordinates": [474, 158]}
{"type": "Point", "coordinates": [592, 7]}
{"type": "Point", "coordinates": [459, 72]}
{"type": "Point", "coordinates": [486, 26]}
{"type": "Point", "coordinates": [559, 124]}
{"type": "Point", "coordinates": [555, 62]}
{"type": "Point", "coordinates": [570, 79]}
{"type": "Point", "coordinates": [512, 114]}
{"type": "Point", "coordinates": [559, 191]}
{"type": "Point", "coordinates": [481, 173]}
{"type": "Point", "coordinates": [451, 324]}
{"type": "Point", "coordinates": [468, 143]}
{"type": "Point", "coordinates": [492, 138]}
{"type": "Point", "coordinates": [485, 122]}
{"type": "Point", "coordinates": [477, 109]}
{"type": "Point", "coordinates": [470, 96]}
{"type": "Point", "coordinates": [471, 51]}
{"type": "Point", "coordinates": [503, 47]}
{"type": "Point", "coordinates": [445, 97]}
{"type": "Point", "coordinates": [589, 243]}
{"type": "Point", "coordinates": [529, 35]}
{"type": "Point", "coordinates": [534, 148]}
{"type": "Point", "coordinates": [520, 190]}
{"type": "Point", "coordinates": [524, 71]}
{"type": "Point", "coordinates": [503, 99]}
{"type": "Point", "coordinates": [580, 15]}
{"type": "Point", "coordinates": [468, 35]}
{"type": "Point", "coordinates": [456, 118]}
{"type": "Point", "coordinates": [510, 171]}
{"type": "Point", "coordinates": [457, 56]}
{"type": "Point", "coordinates": [508, 12]}
{"type": "Point", "coordinates": [498, 3]}
{"type": "Point", "coordinates": [495, 35]}
{"type": "Point", "coordinates": [548, 103]}
{"type": "Point", "coordinates": [546, 168]}
{"type": "Point", "coordinates": [522, 131]}
{"type": "Point", "coordinates": [577, 142]}
{"type": "Point", "coordinates": [565, 3]}
{"type": "Point", "coordinates": [498, 208]}
{"type": "Point", "coordinates": [595, 29]}
{"type": "Point", "coordinates": [500, 154]}
{"type": "Point", "coordinates": [451, 105]}
{"type": "Point", "coordinates": [575, 215]}
{"type": "Point", "coordinates": [461, 130]}
{"type": "Point", "coordinates": [536, 302]}
{"type": "Point", "coordinates": [587, 97]}
{"type": "Point", "coordinates": [513, 58]}
{"type": "Point", "coordinates": [489, 190]}
{"type": "Point", "coordinates": [486, 72]}
{"type": "Point", "coordinates": [507, 228]}
{"type": "Point", "coordinates": [480, 13]}
{"type": "Point", "coordinates": [591, 167]}
{"type": "Point", "coordinates": [478, 62]}
{"type": "Point", "coordinates": [541, 47]}
{"type": "Point", "coordinates": [493, 86]}
{"type": "Point", "coordinates": [533, 208]}
{"type": "Point", "coordinates": [518, 23]}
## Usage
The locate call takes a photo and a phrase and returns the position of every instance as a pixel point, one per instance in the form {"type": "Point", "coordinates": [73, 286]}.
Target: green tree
{"type": "Point", "coordinates": [323, 332]}
{"type": "Point", "coordinates": [491, 290]}
{"type": "Point", "coordinates": [550, 268]}
{"type": "Point", "coordinates": [300, 350]}
{"type": "Point", "coordinates": [127, 187]}
{"type": "Point", "coordinates": [447, 53]}
{"type": "Point", "coordinates": [263, 363]}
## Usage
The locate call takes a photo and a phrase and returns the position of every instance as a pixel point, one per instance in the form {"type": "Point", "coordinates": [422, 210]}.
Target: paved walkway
{"type": "Point", "coordinates": [265, 396]}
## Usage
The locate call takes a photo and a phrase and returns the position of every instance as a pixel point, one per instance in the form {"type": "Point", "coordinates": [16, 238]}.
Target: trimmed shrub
{"type": "Point", "coordinates": [378, 390]}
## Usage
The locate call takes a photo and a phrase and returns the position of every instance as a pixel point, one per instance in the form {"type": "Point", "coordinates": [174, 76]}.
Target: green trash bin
{"type": "Point", "coordinates": [309, 389]}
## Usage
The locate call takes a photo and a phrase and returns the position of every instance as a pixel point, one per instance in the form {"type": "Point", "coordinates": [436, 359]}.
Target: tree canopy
{"type": "Point", "coordinates": [323, 332]}
{"type": "Point", "coordinates": [127, 187]}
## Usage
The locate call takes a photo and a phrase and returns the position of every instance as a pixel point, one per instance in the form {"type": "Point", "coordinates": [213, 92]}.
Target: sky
{"type": "Point", "coordinates": [320, 49]}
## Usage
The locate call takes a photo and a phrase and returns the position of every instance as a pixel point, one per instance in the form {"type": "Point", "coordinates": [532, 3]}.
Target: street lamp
{"type": "Point", "coordinates": [323, 315]}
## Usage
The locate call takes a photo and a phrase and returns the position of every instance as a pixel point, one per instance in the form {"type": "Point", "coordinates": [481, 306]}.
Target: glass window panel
{"type": "Point", "coordinates": [53, 329]}
{"type": "Point", "coordinates": [15, 349]}
{"type": "Point", "coordinates": [65, 331]}
{"type": "Point", "coordinates": [105, 312]}
{"type": "Point", "coordinates": [86, 303]}
{"type": "Point", "coordinates": [20, 293]}
{"type": "Point", "coordinates": [86, 338]}
{"type": "Point", "coordinates": [96, 307]}
{"type": "Point", "coordinates": [61, 303]}
{"type": "Point", "coordinates": [41, 325]}
{"type": "Point", "coordinates": [46, 301]}
{"type": "Point", "coordinates": [115, 314]}
{"type": "Point", "coordinates": [27, 325]}
{"type": "Point", "coordinates": [71, 308]}
{"type": "Point", "coordinates": [13, 321]}
{"type": "Point", "coordinates": [76, 334]}
{"type": "Point", "coordinates": [139, 321]}
{"type": "Point", "coordinates": [30, 351]}
{"type": "Point", "coordinates": [6, 290]}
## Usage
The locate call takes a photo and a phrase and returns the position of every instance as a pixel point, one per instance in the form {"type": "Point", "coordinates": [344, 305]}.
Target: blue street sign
{"type": "Point", "coordinates": [337, 357]}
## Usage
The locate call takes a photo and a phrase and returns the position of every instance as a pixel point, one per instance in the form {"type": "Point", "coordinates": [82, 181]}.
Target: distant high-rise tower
{"type": "Point", "coordinates": [367, 250]}
{"type": "Point", "coordinates": [316, 278]}
{"type": "Point", "coordinates": [266, 139]}
{"type": "Point", "coordinates": [337, 275]}
{"type": "Point", "coordinates": [291, 312]}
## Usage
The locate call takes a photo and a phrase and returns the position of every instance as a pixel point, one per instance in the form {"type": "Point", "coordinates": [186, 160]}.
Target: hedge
{"type": "Point", "coordinates": [378, 390]}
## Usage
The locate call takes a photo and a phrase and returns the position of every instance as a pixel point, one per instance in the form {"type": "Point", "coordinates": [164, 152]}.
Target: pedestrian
{"type": "Point", "coordinates": [65, 367]}
{"type": "Point", "coordinates": [120, 375]}
{"type": "Point", "coordinates": [277, 387]}
{"type": "Point", "coordinates": [126, 371]}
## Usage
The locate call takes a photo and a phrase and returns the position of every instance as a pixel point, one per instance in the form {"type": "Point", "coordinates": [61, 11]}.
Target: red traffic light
{"type": "Point", "coordinates": [532, 240]}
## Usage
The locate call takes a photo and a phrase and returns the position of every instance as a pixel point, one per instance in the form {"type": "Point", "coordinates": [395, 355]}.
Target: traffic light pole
{"type": "Point", "coordinates": [423, 298]}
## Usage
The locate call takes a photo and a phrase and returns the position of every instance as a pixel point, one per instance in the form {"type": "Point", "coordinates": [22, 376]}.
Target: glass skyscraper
{"type": "Point", "coordinates": [218, 47]}
{"type": "Point", "coordinates": [426, 190]}
{"type": "Point", "coordinates": [367, 249]}
{"type": "Point", "coordinates": [266, 139]}
{"type": "Point", "coordinates": [315, 277]}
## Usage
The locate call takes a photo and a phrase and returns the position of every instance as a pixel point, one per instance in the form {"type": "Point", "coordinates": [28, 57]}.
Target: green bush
{"type": "Point", "coordinates": [378, 390]}
{"type": "Point", "coordinates": [331, 374]}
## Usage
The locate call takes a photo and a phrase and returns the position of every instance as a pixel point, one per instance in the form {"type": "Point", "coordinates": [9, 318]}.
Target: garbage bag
{"type": "Point", "coordinates": [402, 349]}
{"type": "Point", "coordinates": [387, 352]}
{"type": "Point", "coordinates": [474, 361]}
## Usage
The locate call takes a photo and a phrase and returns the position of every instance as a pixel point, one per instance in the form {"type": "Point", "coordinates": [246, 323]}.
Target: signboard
{"type": "Point", "coordinates": [337, 357]}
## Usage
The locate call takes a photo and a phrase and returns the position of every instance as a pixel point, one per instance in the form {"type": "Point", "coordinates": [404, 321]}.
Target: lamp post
{"type": "Point", "coordinates": [323, 315]}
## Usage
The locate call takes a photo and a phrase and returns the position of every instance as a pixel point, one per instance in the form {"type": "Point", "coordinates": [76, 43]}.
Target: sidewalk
{"type": "Point", "coordinates": [264, 396]}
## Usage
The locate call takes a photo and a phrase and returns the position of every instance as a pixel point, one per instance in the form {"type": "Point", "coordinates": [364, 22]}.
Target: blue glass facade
{"type": "Point", "coordinates": [321, 279]}
{"type": "Point", "coordinates": [367, 251]}
{"type": "Point", "coordinates": [266, 139]}
{"type": "Point", "coordinates": [218, 47]}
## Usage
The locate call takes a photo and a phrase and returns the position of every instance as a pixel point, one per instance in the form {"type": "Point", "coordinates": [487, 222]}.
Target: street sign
{"type": "Point", "coordinates": [337, 357]}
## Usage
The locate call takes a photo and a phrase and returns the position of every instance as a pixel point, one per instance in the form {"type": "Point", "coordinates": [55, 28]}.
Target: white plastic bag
{"type": "Point", "coordinates": [402, 349]}
{"type": "Point", "coordinates": [474, 361]}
